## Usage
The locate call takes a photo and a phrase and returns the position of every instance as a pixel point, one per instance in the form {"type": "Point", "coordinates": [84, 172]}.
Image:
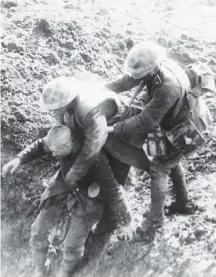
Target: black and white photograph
{"type": "Point", "coordinates": [108, 138]}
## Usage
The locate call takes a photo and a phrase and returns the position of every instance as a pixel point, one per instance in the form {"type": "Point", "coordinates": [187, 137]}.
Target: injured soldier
{"type": "Point", "coordinates": [97, 188]}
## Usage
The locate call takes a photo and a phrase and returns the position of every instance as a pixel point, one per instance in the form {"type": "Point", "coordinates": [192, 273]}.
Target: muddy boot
{"type": "Point", "coordinates": [39, 258]}
{"type": "Point", "coordinates": [186, 207]}
{"type": "Point", "coordinates": [159, 188]}
{"type": "Point", "coordinates": [177, 176]}
{"type": "Point", "coordinates": [148, 229]}
{"type": "Point", "coordinates": [182, 204]}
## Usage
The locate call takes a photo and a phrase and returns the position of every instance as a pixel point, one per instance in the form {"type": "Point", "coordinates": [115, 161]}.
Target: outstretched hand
{"type": "Point", "coordinates": [11, 166]}
{"type": "Point", "coordinates": [128, 231]}
{"type": "Point", "coordinates": [110, 129]}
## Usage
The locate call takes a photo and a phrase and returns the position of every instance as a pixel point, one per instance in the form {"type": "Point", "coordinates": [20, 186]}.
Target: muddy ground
{"type": "Point", "coordinates": [43, 39]}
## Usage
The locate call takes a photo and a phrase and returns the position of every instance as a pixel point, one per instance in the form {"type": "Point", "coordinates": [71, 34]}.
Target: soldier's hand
{"type": "Point", "coordinates": [11, 166]}
{"type": "Point", "coordinates": [128, 231]}
{"type": "Point", "coordinates": [110, 129]}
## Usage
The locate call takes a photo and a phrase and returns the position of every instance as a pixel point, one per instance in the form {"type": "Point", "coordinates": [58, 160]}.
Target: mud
{"type": "Point", "coordinates": [44, 39]}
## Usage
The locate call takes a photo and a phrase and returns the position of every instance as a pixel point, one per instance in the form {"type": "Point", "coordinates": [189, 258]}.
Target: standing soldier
{"type": "Point", "coordinates": [166, 121]}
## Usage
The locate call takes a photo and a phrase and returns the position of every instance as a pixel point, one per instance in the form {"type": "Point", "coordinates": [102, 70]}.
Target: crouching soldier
{"type": "Point", "coordinates": [88, 108]}
{"type": "Point", "coordinates": [166, 120]}
{"type": "Point", "coordinates": [87, 199]}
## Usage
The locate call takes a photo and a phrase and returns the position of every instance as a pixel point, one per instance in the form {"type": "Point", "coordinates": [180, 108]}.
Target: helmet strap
{"type": "Point", "coordinates": [144, 82]}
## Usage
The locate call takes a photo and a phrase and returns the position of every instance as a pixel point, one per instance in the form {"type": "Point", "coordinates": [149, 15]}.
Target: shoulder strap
{"type": "Point", "coordinates": [179, 104]}
{"type": "Point", "coordinates": [137, 91]}
{"type": "Point", "coordinates": [184, 90]}
{"type": "Point", "coordinates": [142, 84]}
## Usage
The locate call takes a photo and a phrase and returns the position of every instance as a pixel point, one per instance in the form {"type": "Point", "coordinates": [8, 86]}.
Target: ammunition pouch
{"type": "Point", "coordinates": [185, 137]}
{"type": "Point", "coordinates": [156, 143]}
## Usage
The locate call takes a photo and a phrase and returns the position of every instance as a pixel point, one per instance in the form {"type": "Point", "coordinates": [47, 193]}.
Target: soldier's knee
{"type": "Point", "coordinates": [157, 168]}
{"type": "Point", "coordinates": [178, 170]}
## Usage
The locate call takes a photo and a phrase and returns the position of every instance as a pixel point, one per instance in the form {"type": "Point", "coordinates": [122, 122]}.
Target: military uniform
{"type": "Point", "coordinates": [86, 209]}
{"type": "Point", "coordinates": [89, 115]}
{"type": "Point", "coordinates": [164, 89]}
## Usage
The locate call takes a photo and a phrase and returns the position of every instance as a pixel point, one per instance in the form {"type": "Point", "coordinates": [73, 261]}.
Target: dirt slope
{"type": "Point", "coordinates": [43, 39]}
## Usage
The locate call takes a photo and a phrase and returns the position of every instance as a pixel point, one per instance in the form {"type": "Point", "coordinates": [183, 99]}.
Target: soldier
{"type": "Point", "coordinates": [167, 112]}
{"type": "Point", "coordinates": [89, 108]}
{"type": "Point", "coordinates": [87, 199]}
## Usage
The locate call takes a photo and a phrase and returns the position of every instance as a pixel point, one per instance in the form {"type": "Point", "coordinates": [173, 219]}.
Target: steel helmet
{"type": "Point", "coordinates": [59, 92]}
{"type": "Point", "coordinates": [143, 58]}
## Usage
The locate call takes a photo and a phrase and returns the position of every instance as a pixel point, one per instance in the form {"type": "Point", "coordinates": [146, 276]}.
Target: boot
{"type": "Point", "coordinates": [177, 176]}
{"type": "Point", "coordinates": [182, 204]}
{"type": "Point", "coordinates": [186, 207]}
{"type": "Point", "coordinates": [148, 229]}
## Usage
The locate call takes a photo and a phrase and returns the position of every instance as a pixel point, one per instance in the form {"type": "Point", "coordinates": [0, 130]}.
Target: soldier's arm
{"type": "Point", "coordinates": [95, 135]}
{"type": "Point", "coordinates": [35, 150]}
{"type": "Point", "coordinates": [31, 152]}
{"type": "Point", "coordinates": [135, 128]}
{"type": "Point", "coordinates": [123, 84]}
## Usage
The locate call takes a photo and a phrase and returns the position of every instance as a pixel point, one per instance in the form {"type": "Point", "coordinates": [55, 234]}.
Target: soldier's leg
{"type": "Point", "coordinates": [127, 153]}
{"type": "Point", "coordinates": [182, 204]}
{"type": "Point", "coordinates": [120, 170]}
{"type": "Point", "coordinates": [123, 155]}
{"type": "Point", "coordinates": [84, 214]}
{"type": "Point", "coordinates": [177, 176]}
{"type": "Point", "coordinates": [160, 170]}
{"type": "Point", "coordinates": [159, 190]}
{"type": "Point", "coordinates": [52, 212]}
{"type": "Point", "coordinates": [112, 192]}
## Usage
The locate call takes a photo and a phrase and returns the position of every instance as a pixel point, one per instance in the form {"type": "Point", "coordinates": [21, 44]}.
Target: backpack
{"type": "Point", "coordinates": [187, 137]}
{"type": "Point", "coordinates": [201, 75]}
{"type": "Point", "coordinates": [202, 80]}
